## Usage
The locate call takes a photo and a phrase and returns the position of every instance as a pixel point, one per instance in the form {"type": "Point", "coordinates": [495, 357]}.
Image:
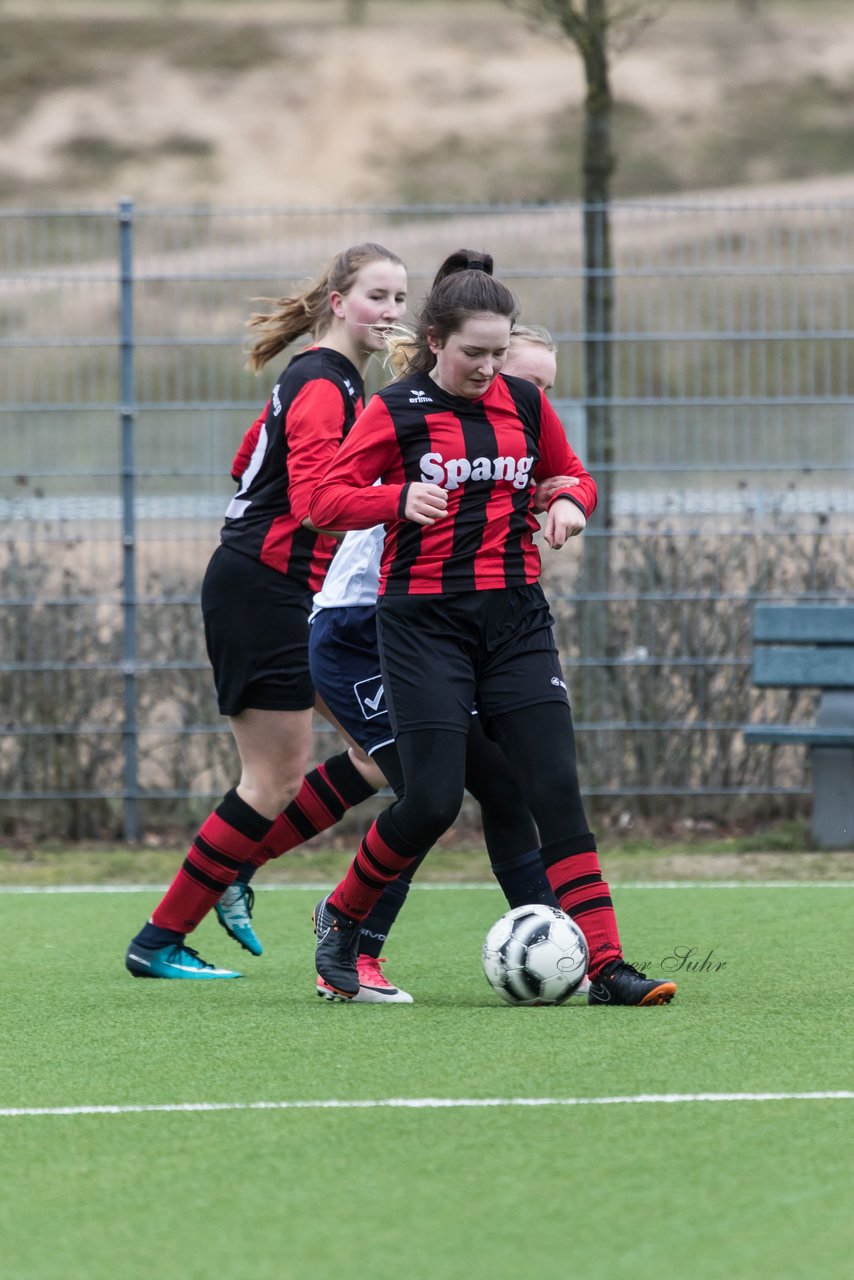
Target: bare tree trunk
{"type": "Point", "coordinates": [586, 24]}
{"type": "Point", "coordinates": [598, 161]}
{"type": "Point", "coordinates": [594, 632]}
{"type": "Point", "coordinates": [590, 34]}
{"type": "Point", "coordinates": [356, 11]}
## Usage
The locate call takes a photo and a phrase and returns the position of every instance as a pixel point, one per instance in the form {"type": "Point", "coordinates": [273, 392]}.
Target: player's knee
{"type": "Point", "coordinates": [270, 792]}
{"type": "Point", "coordinates": [437, 810]}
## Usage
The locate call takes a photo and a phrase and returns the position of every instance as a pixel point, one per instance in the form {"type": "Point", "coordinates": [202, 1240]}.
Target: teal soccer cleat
{"type": "Point", "coordinates": [234, 912]}
{"type": "Point", "coordinates": [173, 961]}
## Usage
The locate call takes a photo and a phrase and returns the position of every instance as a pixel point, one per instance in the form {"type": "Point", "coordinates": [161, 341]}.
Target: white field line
{"type": "Point", "coordinates": [321, 887]}
{"type": "Point", "coordinates": [431, 1104]}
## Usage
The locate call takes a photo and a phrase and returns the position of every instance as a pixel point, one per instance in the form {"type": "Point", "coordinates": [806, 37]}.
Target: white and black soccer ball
{"type": "Point", "coordinates": [535, 955]}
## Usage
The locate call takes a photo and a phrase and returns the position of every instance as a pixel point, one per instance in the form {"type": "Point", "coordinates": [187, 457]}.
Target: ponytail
{"type": "Point", "coordinates": [463, 286]}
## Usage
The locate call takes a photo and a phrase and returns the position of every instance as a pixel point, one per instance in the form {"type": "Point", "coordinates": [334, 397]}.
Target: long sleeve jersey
{"type": "Point", "coordinates": [283, 454]}
{"type": "Point", "coordinates": [483, 452]}
{"type": "Point", "coordinates": [247, 445]}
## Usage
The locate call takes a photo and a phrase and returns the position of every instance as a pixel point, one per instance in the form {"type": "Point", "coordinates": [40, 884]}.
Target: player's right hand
{"type": "Point", "coordinates": [425, 503]}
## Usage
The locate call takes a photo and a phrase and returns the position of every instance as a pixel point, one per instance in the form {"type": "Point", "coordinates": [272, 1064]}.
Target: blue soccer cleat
{"type": "Point", "coordinates": [234, 912]}
{"type": "Point", "coordinates": [172, 961]}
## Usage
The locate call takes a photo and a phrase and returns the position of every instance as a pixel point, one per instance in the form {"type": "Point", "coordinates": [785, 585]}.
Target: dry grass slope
{"type": "Point", "coordinates": [285, 102]}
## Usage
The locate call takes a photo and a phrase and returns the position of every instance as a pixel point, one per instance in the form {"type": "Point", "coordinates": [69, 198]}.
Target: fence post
{"type": "Point", "coordinates": [127, 398]}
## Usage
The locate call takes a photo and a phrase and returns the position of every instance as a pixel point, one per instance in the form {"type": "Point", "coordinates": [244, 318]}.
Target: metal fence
{"type": "Point", "coordinates": [123, 394]}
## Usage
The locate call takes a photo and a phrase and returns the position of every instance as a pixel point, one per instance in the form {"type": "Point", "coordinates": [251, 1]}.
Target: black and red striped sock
{"type": "Point", "coordinates": [572, 867]}
{"type": "Point", "coordinates": [377, 925]}
{"type": "Point", "coordinates": [324, 797]}
{"type": "Point", "coordinates": [227, 837]}
{"type": "Point", "coordinates": [381, 857]}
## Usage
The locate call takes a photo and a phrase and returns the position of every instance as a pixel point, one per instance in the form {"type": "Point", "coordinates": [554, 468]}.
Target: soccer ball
{"type": "Point", "coordinates": [534, 955]}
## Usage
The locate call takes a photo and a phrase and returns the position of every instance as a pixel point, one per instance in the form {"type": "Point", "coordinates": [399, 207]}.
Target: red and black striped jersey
{"type": "Point", "coordinates": [484, 452]}
{"type": "Point", "coordinates": [247, 445]}
{"type": "Point", "coordinates": [283, 454]}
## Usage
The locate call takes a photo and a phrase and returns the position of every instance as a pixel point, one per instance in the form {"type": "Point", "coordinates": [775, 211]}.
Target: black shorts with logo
{"type": "Point", "coordinates": [256, 631]}
{"type": "Point", "coordinates": [442, 654]}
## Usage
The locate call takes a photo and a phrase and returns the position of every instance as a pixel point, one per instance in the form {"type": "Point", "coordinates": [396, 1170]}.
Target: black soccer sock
{"type": "Point", "coordinates": [153, 937]}
{"type": "Point", "coordinates": [523, 880]}
{"type": "Point", "coordinates": [377, 926]}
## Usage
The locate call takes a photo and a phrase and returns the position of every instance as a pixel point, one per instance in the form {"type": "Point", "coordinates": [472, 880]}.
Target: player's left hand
{"type": "Point", "coordinates": [547, 488]}
{"type": "Point", "coordinates": [563, 521]}
{"type": "Point", "coordinates": [425, 503]}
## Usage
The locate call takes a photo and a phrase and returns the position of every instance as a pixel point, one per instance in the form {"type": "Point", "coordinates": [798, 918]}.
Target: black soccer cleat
{"type": "Point", "coordinates": [621, 983]}
{"type": "Point", "coordinates": [337, 949]}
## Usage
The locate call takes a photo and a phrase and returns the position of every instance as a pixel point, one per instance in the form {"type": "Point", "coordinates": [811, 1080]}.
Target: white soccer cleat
{"type": "Point", "coordinates": [374, 986]}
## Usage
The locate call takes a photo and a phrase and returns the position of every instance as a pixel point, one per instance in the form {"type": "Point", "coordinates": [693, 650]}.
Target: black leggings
{"type": "Point", "coordinates": [539, 745]}
{"type": "Point", "coordinates": [508, 828]}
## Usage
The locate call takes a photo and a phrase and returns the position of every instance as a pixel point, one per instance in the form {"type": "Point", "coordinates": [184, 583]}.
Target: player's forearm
{"type": "Point", "coordinates": [338, 505]}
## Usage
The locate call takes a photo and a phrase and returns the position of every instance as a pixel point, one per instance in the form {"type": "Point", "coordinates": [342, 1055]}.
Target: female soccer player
{"type": "Point", "coordinates": [258, 587]}
{"type": "Point", "coordinates": [462, 618]}
{"type": "Point", "coordinates": [345, 667]}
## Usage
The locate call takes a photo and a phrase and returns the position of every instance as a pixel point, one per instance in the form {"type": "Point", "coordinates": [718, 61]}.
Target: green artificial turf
{"type": "Point", "coordinates": [651, 1191]}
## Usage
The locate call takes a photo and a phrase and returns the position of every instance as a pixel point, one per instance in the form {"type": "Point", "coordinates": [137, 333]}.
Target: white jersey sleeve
{"type": "Point", "coordinates": [354, 575]}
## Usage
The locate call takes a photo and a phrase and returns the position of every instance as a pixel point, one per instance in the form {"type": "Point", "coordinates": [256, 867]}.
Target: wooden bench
{"type": "Point", "coordinates": [808, 646]}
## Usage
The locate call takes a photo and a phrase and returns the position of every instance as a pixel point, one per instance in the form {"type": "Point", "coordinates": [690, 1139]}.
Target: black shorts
{"type": "Point", "coordinates": [345, 668]}
{"type": "Point", "coordinates": [256, 632]}
{"type": "Point", "coordinates": [442, 654]}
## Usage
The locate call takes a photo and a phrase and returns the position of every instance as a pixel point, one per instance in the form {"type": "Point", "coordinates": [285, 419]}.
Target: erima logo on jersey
{"type": "Point", "coordinates": [419, 397]}
{"type": "Point", "coordinates": [350, 388]}
{"type": "Point", "coordinates": [277, 404]}
{"type": "Point", "coordinates": [453, 472]}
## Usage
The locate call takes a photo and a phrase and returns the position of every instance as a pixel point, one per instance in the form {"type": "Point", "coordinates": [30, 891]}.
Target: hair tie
{"type": "Point", "coordinates": [478, 266]}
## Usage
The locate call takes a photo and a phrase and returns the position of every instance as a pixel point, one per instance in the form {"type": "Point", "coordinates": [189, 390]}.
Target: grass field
{"type": "Point", "coordinates": [593, 1158]}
